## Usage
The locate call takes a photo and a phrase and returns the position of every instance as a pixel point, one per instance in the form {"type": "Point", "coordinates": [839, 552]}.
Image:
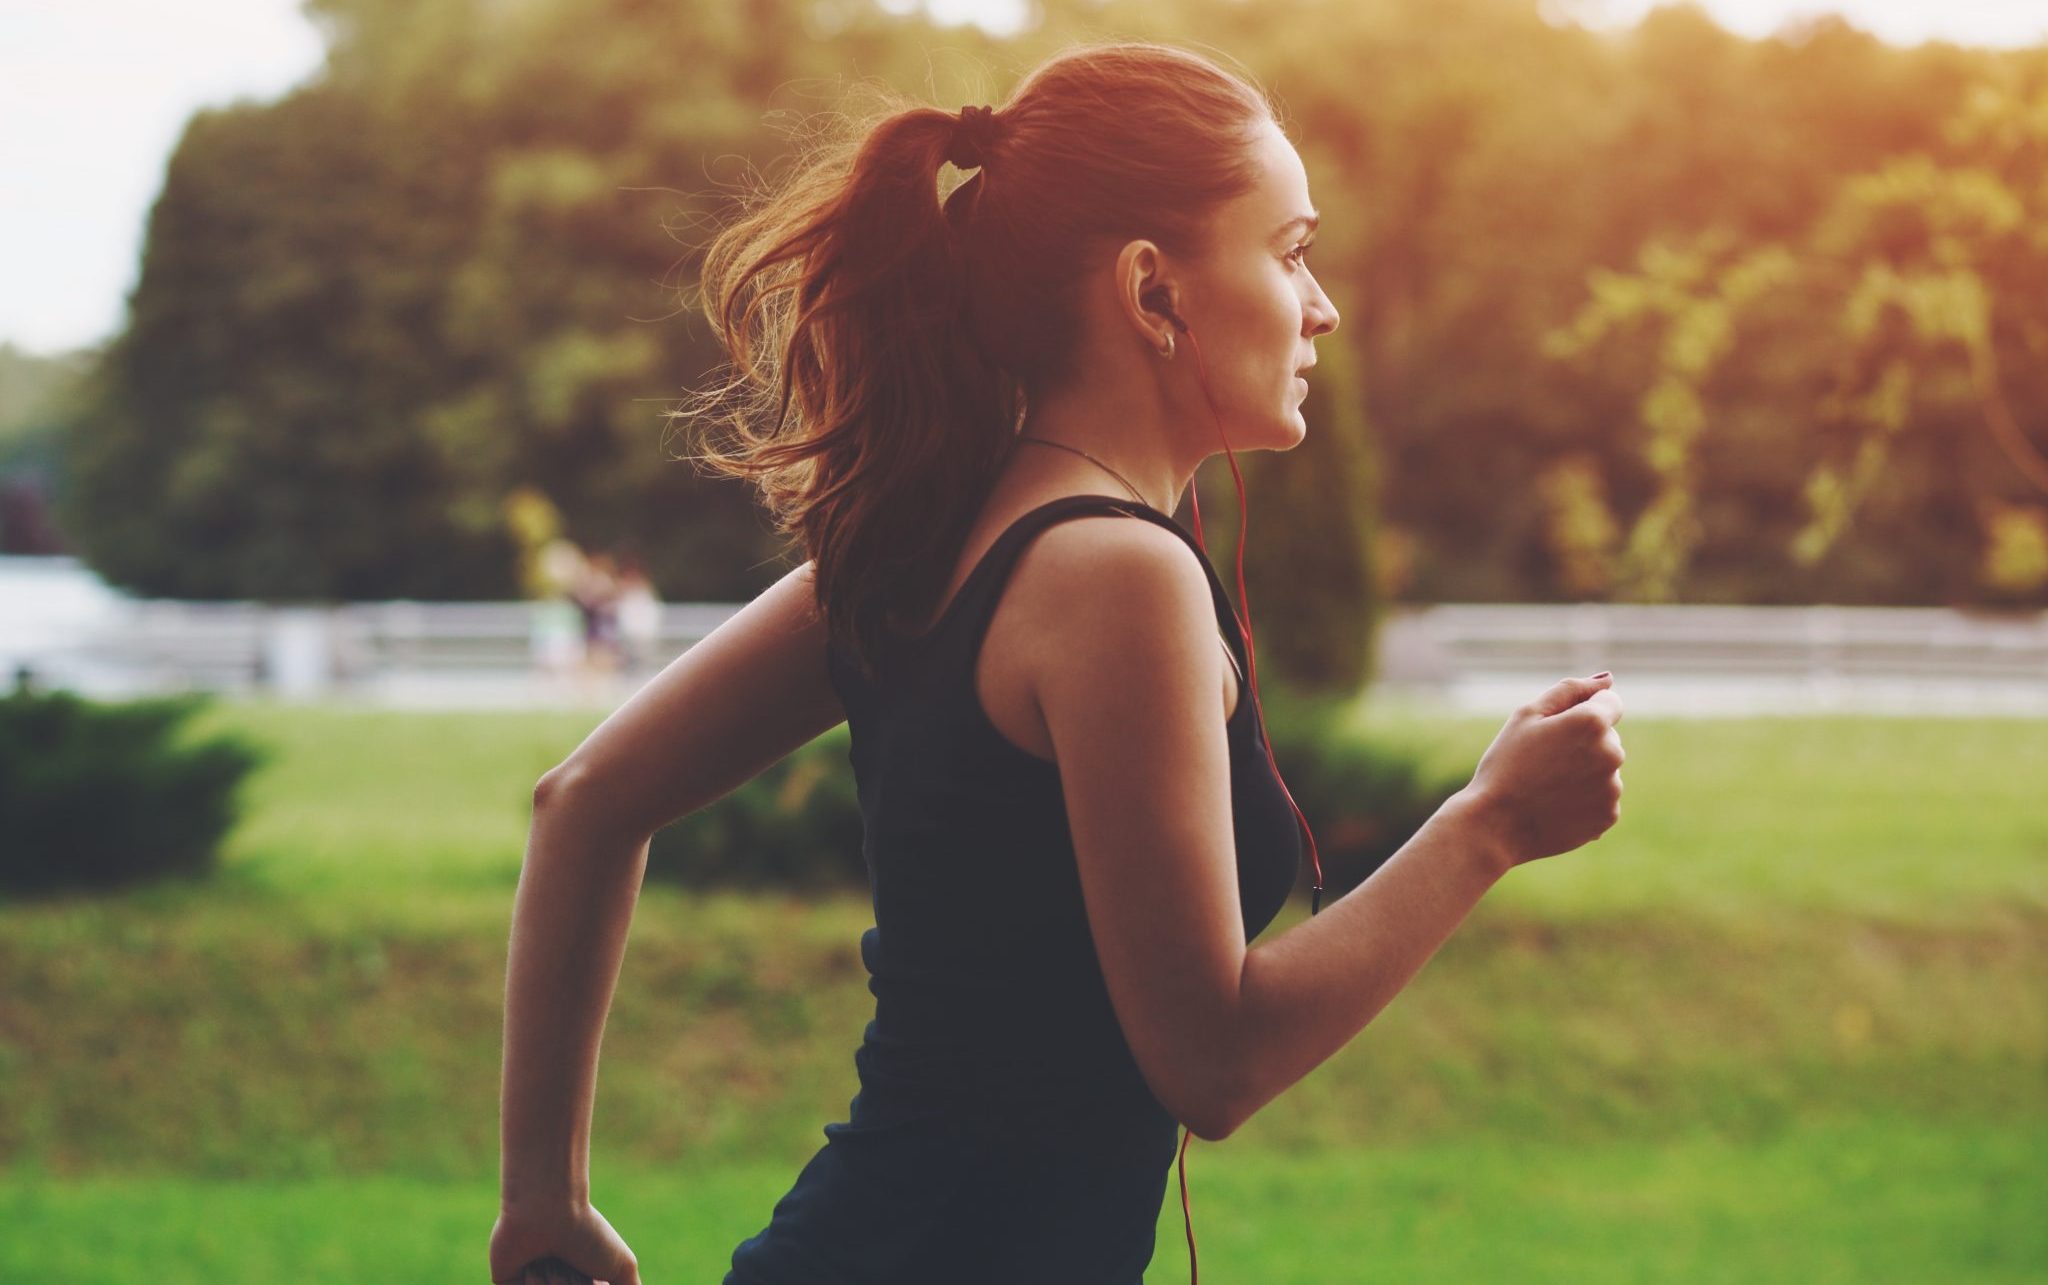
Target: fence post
{"type": "Point", "coordinates": [298, 659]}
{"type": "Point", "coordinates": [1824, 657]}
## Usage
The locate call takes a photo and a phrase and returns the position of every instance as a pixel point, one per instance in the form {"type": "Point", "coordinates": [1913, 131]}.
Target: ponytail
{"type": "Point", "coordinates": [839, 301]}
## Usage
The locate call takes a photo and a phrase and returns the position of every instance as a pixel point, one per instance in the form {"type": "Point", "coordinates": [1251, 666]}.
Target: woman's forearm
{"type": "Point", "coordinates": [1307, 992]}
{"type": "Point", "coordinates": [577, 890]}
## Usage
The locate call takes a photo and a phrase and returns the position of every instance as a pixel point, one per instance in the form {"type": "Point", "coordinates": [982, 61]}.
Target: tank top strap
{"type": "Point", "coordinates": [974, 604]}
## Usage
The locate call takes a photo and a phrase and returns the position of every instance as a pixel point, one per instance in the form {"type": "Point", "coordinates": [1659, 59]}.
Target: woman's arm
{"type": "Point", "coordinates": [733, 705]}
{"type": "Point", "coordinates": [569, 921]}
{"type": "Point", "coordinates": [1130, 690]}
{"type": "Point", "coordinates": [1549, 783]}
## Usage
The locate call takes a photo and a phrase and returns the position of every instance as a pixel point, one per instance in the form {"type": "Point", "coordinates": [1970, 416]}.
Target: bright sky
{"type": "Point", "coordinates": [93, 95]}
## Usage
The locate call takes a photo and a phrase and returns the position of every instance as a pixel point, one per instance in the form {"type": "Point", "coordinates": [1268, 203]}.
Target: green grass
{"type": "Point", "coordinates": [1909, 819]}
{"type": "Point", "coordinates": [1916, 820]}
{"type": "Point", "coordinates": [1785, 1022]}
{"type": "Point", "coordinates": [375, 809]}
{"type": "Point", "coordinates": [248, 1040]}
{"type": "Point", "coordinates": [1880, 1201]}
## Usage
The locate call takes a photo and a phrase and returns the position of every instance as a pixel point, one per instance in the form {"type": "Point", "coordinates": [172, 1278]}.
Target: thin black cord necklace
{"type": "Point", "coordinates": [1042, 441]}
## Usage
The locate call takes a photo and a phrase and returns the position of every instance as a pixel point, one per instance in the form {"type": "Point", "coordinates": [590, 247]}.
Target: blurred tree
{"type": "Point", "coordinates": [1912, 311]}
{"type": "Point", "coordinates": [447, 269]}
{"type": "Point", "coordinates": [2015, 548]}
{"type": "Point", "coordinates": [250, 433]}
{"type": "Point", "coordinates": [372, 310]}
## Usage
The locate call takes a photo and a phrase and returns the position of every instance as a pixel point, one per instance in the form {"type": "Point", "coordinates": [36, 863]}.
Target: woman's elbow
{"type": "Point", "coordinates": [1211, 1124]}
{"type": "Point", "coordinates": [1209, 1111]}
{"type": "Point", "coordinates": [569, 788]}
{"type": "Point", "coordinates": [552, 786]}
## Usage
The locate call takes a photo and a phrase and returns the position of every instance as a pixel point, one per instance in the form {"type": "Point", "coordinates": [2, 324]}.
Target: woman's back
{"type": "Point", "coordinates": [1002, 1129]}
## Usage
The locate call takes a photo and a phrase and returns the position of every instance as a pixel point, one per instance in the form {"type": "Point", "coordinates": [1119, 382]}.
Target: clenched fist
{"type": "Point", "coordinates": [1551, 780]}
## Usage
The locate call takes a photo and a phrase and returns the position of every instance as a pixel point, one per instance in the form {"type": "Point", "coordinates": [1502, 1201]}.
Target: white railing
{"type": "Point", "coordinates": [1481, 658]}
{"type": "Point", "coordinates": [1727, 659]}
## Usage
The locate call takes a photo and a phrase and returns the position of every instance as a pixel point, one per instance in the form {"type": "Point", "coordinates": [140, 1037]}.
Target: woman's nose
{"type": "Point", "coordinates": [1322, 315]}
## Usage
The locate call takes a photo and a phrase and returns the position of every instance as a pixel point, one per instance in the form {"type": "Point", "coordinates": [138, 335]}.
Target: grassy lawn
{"type": "Point", "coordinates": [1910, 819]}
{"type": "Point", "coordinates": [1882, 1201]}
{"type": "Point", "coordinates": [1785, 1022]}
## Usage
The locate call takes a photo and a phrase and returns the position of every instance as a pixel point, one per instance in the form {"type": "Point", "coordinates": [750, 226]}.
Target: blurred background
{"type": "Point", "coordinates": [1704, 343]}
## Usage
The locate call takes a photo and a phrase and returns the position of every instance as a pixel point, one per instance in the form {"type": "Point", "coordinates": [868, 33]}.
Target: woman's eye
{"type": "Point", "coordinates": [1300, 252]}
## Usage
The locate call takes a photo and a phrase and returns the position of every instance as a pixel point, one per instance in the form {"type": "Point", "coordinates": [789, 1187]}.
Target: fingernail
{"type": "Point", "coordinates": [1605, 673]}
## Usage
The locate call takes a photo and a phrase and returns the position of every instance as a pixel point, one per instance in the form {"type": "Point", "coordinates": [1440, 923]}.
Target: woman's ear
{"type": "Point", "coordinates": [1146, 296]}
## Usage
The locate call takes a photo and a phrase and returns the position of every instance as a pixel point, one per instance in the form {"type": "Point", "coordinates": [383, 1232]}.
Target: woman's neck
{"type": "Point", "coordinates": [1084, 456]}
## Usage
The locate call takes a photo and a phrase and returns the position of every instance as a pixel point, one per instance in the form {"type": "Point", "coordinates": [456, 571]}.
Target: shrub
{"type": "Point", "coordinates": [96, 795]}
{"type": "Point", "coordinates": [797, 825]}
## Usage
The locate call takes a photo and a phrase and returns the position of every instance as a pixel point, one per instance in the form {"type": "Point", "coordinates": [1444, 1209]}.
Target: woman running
{"type": "Point", "coordinates": [978, 415]}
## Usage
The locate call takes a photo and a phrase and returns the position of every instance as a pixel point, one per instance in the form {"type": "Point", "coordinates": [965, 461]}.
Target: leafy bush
{"type": "Point", "coordinates": [96, 795]}
{"type": "Point", "coordinates": [798, 825]}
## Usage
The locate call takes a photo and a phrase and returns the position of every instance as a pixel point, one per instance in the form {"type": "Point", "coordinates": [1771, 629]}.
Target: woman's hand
{"type": "Point", "coordinates": [558, 1242]}
{"type": "Point", "coordinates": [1551, 780]}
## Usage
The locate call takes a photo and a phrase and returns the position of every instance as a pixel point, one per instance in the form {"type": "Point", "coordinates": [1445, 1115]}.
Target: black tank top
{"type": "Point", "coordinates": [1002, 1130]}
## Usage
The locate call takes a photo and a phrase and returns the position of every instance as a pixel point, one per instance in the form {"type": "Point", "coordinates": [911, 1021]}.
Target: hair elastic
{"type": "Point", "coordinates": [973, 137]}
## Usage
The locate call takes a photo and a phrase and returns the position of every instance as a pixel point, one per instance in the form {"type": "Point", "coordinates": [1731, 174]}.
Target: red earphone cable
{"type": "Point", "coordinates": [1244, 624]}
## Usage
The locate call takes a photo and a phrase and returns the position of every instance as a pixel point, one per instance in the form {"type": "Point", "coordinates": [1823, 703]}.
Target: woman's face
{"type": "Point", "coordinates": [1255, 307]}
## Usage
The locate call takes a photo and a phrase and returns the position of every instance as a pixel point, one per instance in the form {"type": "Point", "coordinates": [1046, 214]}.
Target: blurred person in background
{"type": "Point", "coordinates": [638, 611]}
{"type": "Point", "coordinates": [557, 623]}
{"type": "Point", "coordinates": [595, 591]}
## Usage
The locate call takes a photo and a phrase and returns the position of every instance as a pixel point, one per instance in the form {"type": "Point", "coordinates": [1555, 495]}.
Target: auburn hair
{"type": "Point", "coordinates": [884, 342]}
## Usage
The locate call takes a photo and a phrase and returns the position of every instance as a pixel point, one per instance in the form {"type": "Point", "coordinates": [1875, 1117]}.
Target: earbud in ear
{"type": "Point", "coordinates": [1159, 301]}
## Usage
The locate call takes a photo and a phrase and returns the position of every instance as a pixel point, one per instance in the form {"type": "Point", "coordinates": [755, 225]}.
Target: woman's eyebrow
{"type": "Point", "coordinates": [1311, 220]}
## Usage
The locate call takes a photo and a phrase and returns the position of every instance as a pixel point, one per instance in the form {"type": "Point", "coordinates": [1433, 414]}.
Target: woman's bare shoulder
{"type": "Point", "coordinates": [1100, 590]}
